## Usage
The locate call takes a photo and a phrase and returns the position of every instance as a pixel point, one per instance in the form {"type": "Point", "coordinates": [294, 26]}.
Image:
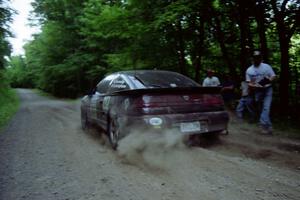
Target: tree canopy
{"type": "Point", "coordinates": [5, 18]}
{"type": "Point", "coordinates": [81, 41]}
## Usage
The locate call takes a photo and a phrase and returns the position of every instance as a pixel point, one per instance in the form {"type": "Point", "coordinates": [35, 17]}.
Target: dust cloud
{"type": "Point", "coordinates": [152, 149]}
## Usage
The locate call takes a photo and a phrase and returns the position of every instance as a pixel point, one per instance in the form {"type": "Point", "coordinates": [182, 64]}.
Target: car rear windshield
{"type": "Point", "coordinates": [161, 79]}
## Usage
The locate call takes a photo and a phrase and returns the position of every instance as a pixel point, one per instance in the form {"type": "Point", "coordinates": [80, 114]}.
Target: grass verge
{"type": "Point", "coordinates": [9, 104]}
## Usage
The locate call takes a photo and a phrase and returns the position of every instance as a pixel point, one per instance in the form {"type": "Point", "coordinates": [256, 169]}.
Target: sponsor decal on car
{"type": "Point", "coordinates": [126, 104]}
{"type": "Point", "coordinates": [105, 104]}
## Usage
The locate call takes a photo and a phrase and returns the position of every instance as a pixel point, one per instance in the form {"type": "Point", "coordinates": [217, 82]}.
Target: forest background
{"type": "Point", "coordinates": [83, 40]}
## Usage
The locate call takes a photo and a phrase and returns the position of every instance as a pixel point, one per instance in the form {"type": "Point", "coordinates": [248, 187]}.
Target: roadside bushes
{"type": "Point", "coordinates": [8, 101]}
{"type": "Point", "coordinates": [18, 74]}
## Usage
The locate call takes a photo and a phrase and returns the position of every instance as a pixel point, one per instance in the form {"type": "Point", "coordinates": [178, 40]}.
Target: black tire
{"type": "Point", "coordinates": [212, 135]}
{"type": "Point", "coordinates": [113, 132]}
{"type": "Point", "coordinates": [84, 120]}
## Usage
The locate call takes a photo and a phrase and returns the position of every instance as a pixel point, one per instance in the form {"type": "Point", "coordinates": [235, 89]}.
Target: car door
{"type": "Point", "coordinates": [96, 105]}
{"type": "Point", "coordinates": [112, 103]}
{"type": "Point", "coordinates": [94, 101]}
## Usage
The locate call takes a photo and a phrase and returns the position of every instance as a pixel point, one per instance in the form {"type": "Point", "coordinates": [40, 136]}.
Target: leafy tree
{"type": "Point", "coordinates": [54, 53]}
{"type": "Point", "coordinates": [81, 41]}
{"type": "Point", "coordinates": [5, 18]}
{"type": "Point", "coordinates": [287, 19]}
{"type": "Point", "coordinates": [18, 73]}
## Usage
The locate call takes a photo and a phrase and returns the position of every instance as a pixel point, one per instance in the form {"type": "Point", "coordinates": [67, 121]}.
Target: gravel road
{"type": "Point", "coordinates": [45, 155]}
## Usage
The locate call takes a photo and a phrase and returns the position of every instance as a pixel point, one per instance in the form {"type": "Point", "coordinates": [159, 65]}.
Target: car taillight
{"type": "Point", "coordinates": [147, 101]}
{"type": "Point", "coordinates": [139, 105]}
{"type": "Point", "coordinates": [213, 100]}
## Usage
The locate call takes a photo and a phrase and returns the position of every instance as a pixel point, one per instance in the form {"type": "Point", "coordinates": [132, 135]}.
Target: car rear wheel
{"type": "Point", "coordinates": [84, 120]}
{"type": "Point", "coordinates": [113, 133]}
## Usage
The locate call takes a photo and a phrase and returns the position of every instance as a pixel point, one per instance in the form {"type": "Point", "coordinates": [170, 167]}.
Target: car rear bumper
{"type": "Point", "coordinates": [207, 122]}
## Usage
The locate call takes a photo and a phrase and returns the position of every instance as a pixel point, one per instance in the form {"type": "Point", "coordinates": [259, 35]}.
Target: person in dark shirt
{"type": "Point", "coordinates": [228, 91]}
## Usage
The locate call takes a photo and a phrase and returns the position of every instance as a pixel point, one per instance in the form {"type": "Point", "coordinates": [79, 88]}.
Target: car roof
{"type": "Point", "coordinates": [159, 78]}
{"type": "Point", "coordinates": [139, 72]}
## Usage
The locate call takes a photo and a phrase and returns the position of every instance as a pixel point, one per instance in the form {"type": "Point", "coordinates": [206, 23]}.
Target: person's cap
{"type": "Point", "coordinates": [256, 53]}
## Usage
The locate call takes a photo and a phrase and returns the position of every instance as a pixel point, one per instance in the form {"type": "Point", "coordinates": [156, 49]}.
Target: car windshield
{"type": "Point", "coordinates": [162, 79]}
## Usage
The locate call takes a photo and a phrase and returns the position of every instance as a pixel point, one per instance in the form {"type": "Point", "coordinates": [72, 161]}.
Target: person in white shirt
{"type": "Point", "coordinates": [259, 77]}
{"type": "Point", "coordinates": [210, 80]}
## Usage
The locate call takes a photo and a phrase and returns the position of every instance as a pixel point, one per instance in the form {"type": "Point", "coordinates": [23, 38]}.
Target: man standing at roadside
{"type": "Point", "coordinates": [260, 76]}
{"type": "Point", "coordinates": [211, 80]}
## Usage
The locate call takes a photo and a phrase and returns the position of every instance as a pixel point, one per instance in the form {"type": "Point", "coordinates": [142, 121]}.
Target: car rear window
{"type": "Point", "coordinates": [161, 79]}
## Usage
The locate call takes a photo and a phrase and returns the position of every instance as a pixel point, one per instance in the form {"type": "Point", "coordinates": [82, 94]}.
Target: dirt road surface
{"type": "Point", "coordinates": [45, 155]}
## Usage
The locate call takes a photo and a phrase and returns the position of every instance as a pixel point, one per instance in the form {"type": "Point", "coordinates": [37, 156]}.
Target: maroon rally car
{"type": "Point", "coordinates": [155, 100]}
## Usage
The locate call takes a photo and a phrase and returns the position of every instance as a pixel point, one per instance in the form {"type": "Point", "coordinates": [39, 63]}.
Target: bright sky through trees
{"type": "Point", "coordinates": [20, 26]}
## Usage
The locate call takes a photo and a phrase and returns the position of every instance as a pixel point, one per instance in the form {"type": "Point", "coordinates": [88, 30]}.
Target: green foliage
{"type": "Point", "coordinates": [81, 41]}
{"type": "Point", "coordinates": [5, 18]}
{"type": "Point", "coordinates": [9, 104]}
{"type": "Point", "coordinates": [55, 55]}
{"type": "Point", "coordinates": [19, 74]}
{"type": "Point", "coordinates": [9, 101]}
{"type": "Point", "coordinates": [8, 98]}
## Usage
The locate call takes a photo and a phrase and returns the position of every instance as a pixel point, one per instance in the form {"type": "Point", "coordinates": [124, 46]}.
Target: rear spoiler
{"type": "Point", "coordinates": [175, 90]}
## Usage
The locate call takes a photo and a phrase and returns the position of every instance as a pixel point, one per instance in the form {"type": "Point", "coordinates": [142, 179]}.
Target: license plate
{"type": "Point", "coordinates": [190, 127]}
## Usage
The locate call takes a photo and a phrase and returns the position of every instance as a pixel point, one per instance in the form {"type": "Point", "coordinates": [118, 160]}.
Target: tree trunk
{"type": "Point", "coordinates": [284, 72]}
{"type": "Point", "coordinates": [180, 50]}
{"type": "Point", "coordinates": [221, 39]}
{"type": "Point", "coordinates": [297, 83]}
{"type": "Point", "coordinates": [249, 40]}
{"type": "Point", "coordinates": [1, 64]}
{"type": "Point", "coordinates": [284, 34]}
{"type": "Point", "coordinates": [261, 27]}
{"type": "Point", "coordinates": [243, 37]}
{"type": "Point", "coordinates": [199, 43]}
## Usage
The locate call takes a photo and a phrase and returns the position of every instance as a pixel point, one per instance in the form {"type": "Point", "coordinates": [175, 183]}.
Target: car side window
{"type": "Point", "coordinates": [118, 84]}
{"type": "Point", "coordinates": [102, 87]}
